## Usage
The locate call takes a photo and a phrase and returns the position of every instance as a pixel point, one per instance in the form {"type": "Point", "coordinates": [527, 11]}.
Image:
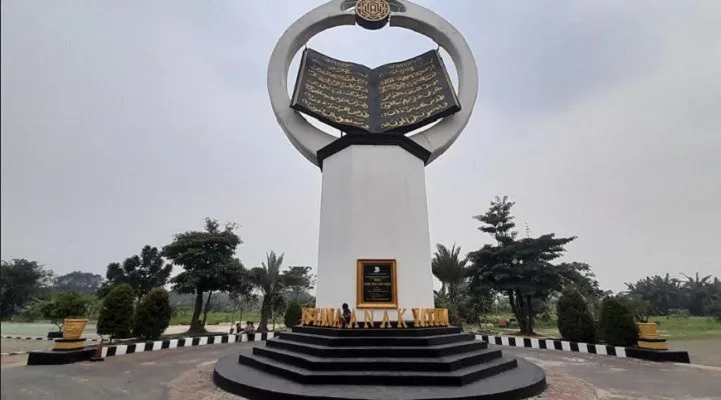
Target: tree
{"type": "Point", "coordinates": [242, 302]}
{"type": "Point", "coordinates": [521, 269]}
{"type": "Point", "coordinates": [575, 323]}
{"type": "Point", "coordinates": [116, 315]}
{"type": "Point", "coordinates": [450, 268]}
{"type": "Point", "coordinates": [269, 280]}
{"type": "Point", "coordinates": [697, 292]}
{"type": "Point", "coordinates": [278, 309]}
{"type": "Point", "coordinates": [64, 305]}
{"type": "Point", "coordinates": [153, 315]}
{"type": "Point", "coordinates": [478, 304]}
{"type": "Point", "coordinates": [22, 281]}
{"type": "Point", "coordinates": [640, 308]}
{"type": "Point", "coordinates": [300, 281]}
{"type": "Point", "coordinates": [616, 325]}
{"type": "Point", "coordinates": [142, 273]}
{"type": "Point", "coordinates": [208, 263]}
{"type": "Point", "coordinates": [78, 282]}
{"type": "Point", "coordinates": [663, 293]}
{"type": "Point", "coordinates": [292, 315]}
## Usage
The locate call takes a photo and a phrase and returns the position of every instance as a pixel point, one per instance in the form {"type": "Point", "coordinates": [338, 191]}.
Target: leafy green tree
{"type": "Point", "coordinates": [478, 303]}
{"type": "Point", "coordinates": [116, 314]}
{"type": "Point", "coordinates": [574, 318]}
{"type": "Point", "coordinates": [78, 282]}
{"type": "Point", "coordinates": [208, 263]}
{"type": "Point", "coordinates": [22, 282]}
{"type": "Point", "coordinates": [300, 281]}
{"type": "Point", "coordinates": [64, 305]}
{"type": "Point", "coordinates": [521, 269]}
{"type": "Point", "coordinates": [450, 268]}
{"type": "Point", "coordinates": [616, 325]}
{"type": "Point", "coordinates": [142, 272]}
{"type": "Point", "coordinates": [153, 315]}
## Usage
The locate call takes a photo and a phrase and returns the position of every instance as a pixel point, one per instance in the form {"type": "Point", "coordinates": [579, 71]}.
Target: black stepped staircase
{"type": "Point", "coordinates": [329, 363]}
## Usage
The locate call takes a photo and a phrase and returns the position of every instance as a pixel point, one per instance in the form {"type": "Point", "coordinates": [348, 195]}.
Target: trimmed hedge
{"type": "Point", "coordinates": [575, 322]}
{"type": "Point", "coordinates": [116, 315]}
{"type": "Point", "coordinates": [292, 315]}
{"type": "Point", "coordinates": [616, 324]}
{"type": "Point", "coordinates": [153, 315]}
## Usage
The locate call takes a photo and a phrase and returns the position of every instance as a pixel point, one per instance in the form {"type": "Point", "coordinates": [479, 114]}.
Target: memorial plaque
{"type": "Point", "coordinates": [376, 284]}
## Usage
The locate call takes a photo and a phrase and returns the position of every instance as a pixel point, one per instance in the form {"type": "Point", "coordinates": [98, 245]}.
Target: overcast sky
{"type": "Point", "coordinates": [125, 122]}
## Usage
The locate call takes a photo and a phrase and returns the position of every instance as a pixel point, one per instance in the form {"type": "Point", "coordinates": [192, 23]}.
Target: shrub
{"type": "Point", "coordinates": [292, 315]}
{"type": "Point", "coordinates": [116, 314]}
{"type": "Point", "coordinates": [575, 322]}
{"type": "Point", "coordinates": [640, 308]}
{"type": "Point", "coordinates": [616, 324]}
{"type": "Point", "coordinates": [153, 315]}
{"type": "Point", "coordinates": [64, 305]}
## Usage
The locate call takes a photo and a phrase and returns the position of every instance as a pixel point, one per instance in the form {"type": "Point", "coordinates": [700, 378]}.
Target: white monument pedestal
{"type": "Point", "coordinates": [373, 206]}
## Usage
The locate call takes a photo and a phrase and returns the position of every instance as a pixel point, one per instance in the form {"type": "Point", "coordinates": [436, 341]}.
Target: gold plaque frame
{"type": "Point", "coordinates": [359, 284]}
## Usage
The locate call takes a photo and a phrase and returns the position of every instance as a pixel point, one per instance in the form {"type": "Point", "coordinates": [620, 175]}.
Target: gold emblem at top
{"type": "Point", "coordinates": [372, 14]}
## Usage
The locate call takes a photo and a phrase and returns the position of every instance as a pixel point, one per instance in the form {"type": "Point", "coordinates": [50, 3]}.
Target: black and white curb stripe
{"type": "Point", "coordinates": [515, 341]}
{"type": "Point", "coordinates": [41, 338]}
{"type": "Point", "coordinates": [123, 349]}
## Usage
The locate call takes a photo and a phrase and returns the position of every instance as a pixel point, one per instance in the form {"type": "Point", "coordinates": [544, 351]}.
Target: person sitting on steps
{"type": "Point", "coordinates": [345, 316]}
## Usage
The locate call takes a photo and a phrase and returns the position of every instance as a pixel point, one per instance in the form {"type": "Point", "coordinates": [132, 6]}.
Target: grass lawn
{"type": "Point", "coordinates": [215, 318]}
{"type": "Point", "coordinates": [673, 329]}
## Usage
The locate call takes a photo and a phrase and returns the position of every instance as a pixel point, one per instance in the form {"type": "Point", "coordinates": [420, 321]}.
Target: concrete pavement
{"type": "Point", "coordinates": [186, 374]}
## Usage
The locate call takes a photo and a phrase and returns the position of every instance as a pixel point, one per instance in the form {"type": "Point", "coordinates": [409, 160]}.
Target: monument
{"type": "Point", "coordinates": [374, 244]}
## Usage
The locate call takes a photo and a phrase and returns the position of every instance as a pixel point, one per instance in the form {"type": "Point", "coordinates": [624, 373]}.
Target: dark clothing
{"type": "Point", "coordinates": [346, 316]}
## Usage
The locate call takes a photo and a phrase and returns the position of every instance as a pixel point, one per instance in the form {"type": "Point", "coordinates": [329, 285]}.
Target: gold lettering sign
{"type": "Point", "coordinates": [331, 317]}
{"type": "Point", "coordinates": [368, 317]}
{"type": "Point", "coordinates": [398, 97]}
{"type": "Point", "coordinates": [400, 318]}
{"type": "Point", "coordinates": [386, 322]}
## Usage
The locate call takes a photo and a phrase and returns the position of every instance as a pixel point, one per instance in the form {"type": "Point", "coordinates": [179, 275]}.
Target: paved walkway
{"type": "Point", "coordinates": [186, 374]}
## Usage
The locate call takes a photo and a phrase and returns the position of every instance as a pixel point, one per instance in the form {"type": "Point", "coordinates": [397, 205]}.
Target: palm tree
{"type": "Point", "coordinates": [269, 281]}
{"type": "Point", "coordinates": [451, 270]}
{"type": "Point", "coordinates": [661, 292]}
{"type": "Point", "coordinates": [698, 291]}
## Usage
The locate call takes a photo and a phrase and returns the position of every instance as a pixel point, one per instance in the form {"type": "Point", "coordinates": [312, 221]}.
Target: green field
{"type": "Point", "coordinates": [688, 328]}
{"type": "Point", "coordinates": [215, 318]}
{"type": "Point", "coordinates": [671, 328]}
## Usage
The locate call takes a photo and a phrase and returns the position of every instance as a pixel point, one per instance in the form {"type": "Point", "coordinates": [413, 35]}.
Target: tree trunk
{"type": "Point", "coordinates": [207, 309]}
{"type": "Point", "coordinates": [265, 310]}
{"type": "Point", "coordinates": [195, 325]}
{"type": "Point", "coordinates": [530, 314]}
{"type": "Point", "coordinates": [523, 310]}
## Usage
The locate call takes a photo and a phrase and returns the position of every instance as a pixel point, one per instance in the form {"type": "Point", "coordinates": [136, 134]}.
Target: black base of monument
{"type": "Point", "coordinates": [412, 363]}
{"type": "Point", "coordinates": [58, 357]}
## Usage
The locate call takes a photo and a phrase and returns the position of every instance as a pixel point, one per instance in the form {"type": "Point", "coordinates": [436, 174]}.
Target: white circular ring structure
{"type": "Point", "coordinates": [308, 139]}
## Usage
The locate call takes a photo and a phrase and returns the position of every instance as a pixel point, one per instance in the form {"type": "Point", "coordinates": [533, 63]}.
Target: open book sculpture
{"type": "Point", "coordinates": [394, 98]}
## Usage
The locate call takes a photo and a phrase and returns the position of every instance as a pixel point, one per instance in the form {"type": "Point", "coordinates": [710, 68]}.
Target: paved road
{"type": "Point", "coordinates": [185, 374]}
